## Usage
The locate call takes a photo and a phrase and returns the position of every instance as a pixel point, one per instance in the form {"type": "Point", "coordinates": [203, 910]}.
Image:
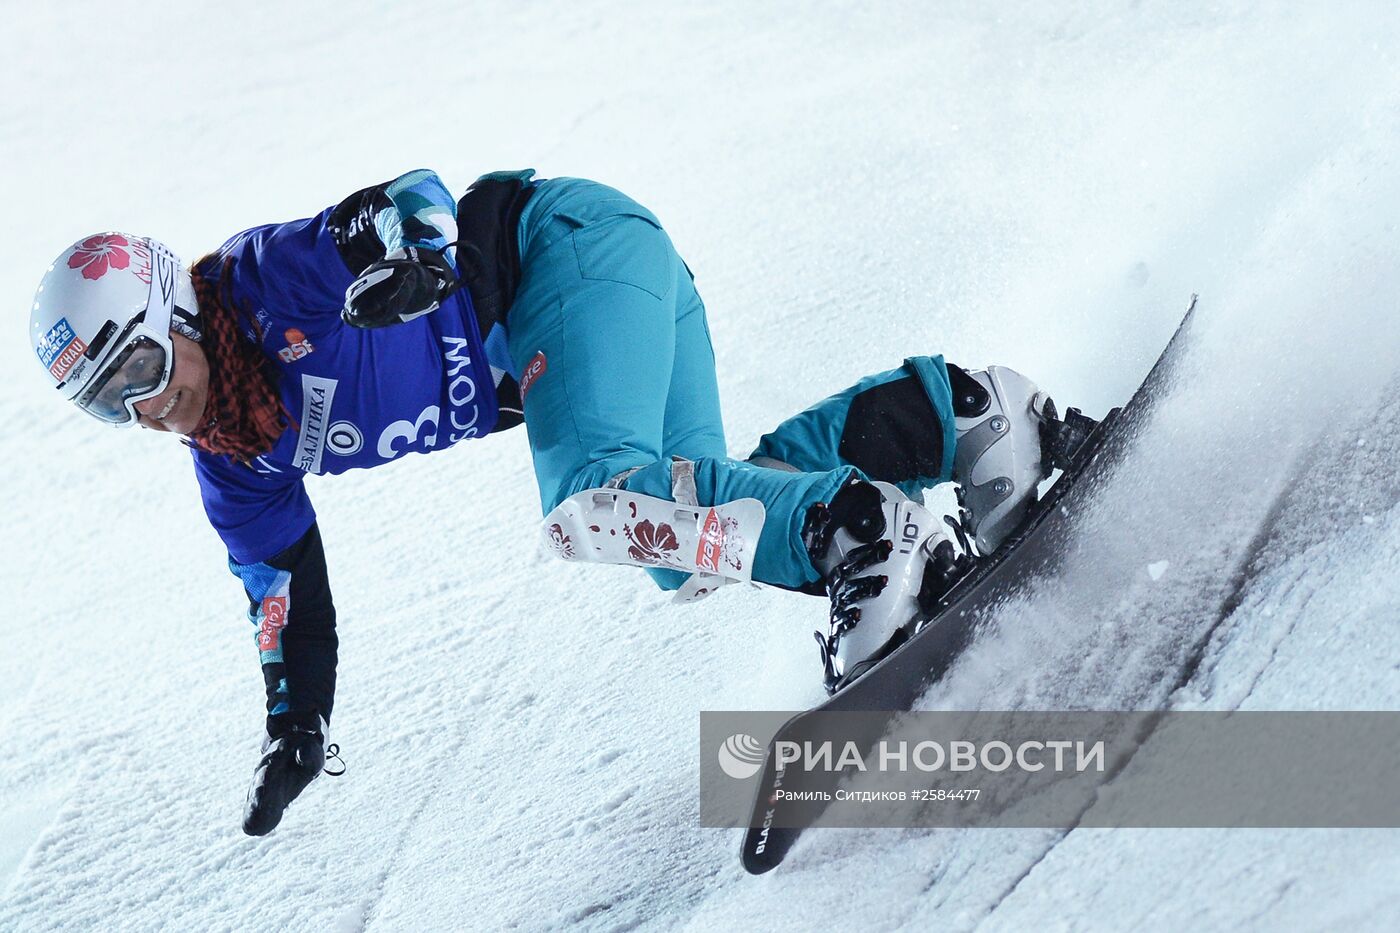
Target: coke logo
{"type": "Point", "coordinates": [274, 619]}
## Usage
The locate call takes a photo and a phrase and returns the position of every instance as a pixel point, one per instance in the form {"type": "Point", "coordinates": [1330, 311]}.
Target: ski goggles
{"type": "Point", "coordinates": [140, 370]}
{"type": "Point", "coordinates": [142, 357]}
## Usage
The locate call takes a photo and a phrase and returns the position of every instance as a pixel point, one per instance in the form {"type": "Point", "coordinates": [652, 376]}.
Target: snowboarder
{"type": "Point", "coordinates": [403, 320]}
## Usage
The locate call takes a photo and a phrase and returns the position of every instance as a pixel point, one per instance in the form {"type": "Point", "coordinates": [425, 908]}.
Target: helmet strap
{"type": "Point", "coordinates": [184, 317]}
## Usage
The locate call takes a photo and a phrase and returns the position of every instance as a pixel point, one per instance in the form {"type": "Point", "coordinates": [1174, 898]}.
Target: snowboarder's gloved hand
{"type": "Point", "coordinates": [405, 284]}
{"type": "Point", "coordinates": [293, 754]}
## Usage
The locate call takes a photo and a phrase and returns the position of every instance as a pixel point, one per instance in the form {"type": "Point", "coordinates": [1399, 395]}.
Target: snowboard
{"type": "Point", "coordinates": [898, 680]}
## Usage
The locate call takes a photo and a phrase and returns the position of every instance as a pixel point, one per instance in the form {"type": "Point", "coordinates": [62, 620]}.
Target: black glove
{"type": "Point", "coordinates": [405, 284]}
{"type": "Point", "coordinates": [290, 761]}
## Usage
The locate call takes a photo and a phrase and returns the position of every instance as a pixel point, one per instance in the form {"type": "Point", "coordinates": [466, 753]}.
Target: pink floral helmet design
{"type": "Point", "coordinates": [101, 319]}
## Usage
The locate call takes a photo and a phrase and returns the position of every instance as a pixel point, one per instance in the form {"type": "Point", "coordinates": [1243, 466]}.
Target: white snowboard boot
{"type": "Point", "coordinates": [997, 463]}
{"type": "Point", "coordinates": [883, 557]}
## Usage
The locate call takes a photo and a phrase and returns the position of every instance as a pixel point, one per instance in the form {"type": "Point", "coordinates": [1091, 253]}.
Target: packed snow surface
{"type": "Point", "coordinates": [1033, 184]}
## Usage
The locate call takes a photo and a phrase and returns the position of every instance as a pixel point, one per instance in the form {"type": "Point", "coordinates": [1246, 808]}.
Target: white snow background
{"type": "Point", "coordinates": [1040, 185]}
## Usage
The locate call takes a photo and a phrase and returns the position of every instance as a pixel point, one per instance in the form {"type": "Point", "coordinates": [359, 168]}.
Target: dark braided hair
{"type": "Point", "coordinates": [245, 414]}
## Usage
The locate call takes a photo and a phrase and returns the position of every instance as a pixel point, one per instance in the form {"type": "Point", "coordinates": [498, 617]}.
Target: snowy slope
{"type": "Point", "coordinates": [852, 183]}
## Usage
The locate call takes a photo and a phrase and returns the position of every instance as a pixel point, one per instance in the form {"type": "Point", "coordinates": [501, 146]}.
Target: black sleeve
{"type": "Point", "coordinates": [289, 599]}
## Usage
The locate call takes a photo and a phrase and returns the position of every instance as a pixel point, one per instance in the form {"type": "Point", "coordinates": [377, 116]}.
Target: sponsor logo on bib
{"type": "Point", "coordinates": [317, 393]}
{"type": "Point", "coordinates": [297, 346]}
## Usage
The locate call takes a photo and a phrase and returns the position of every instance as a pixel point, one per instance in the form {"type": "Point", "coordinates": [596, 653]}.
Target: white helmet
{"type": "Point", "coordinates": [101, 322]}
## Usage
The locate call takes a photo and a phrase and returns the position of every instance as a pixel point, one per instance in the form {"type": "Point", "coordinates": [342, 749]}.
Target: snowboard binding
{"type": "Point", "coordinates": [1062, 442]}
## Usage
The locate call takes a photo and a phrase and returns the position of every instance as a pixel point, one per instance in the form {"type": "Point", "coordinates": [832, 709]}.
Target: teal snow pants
{"type": "Point", "coordinates": [610, 344]}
